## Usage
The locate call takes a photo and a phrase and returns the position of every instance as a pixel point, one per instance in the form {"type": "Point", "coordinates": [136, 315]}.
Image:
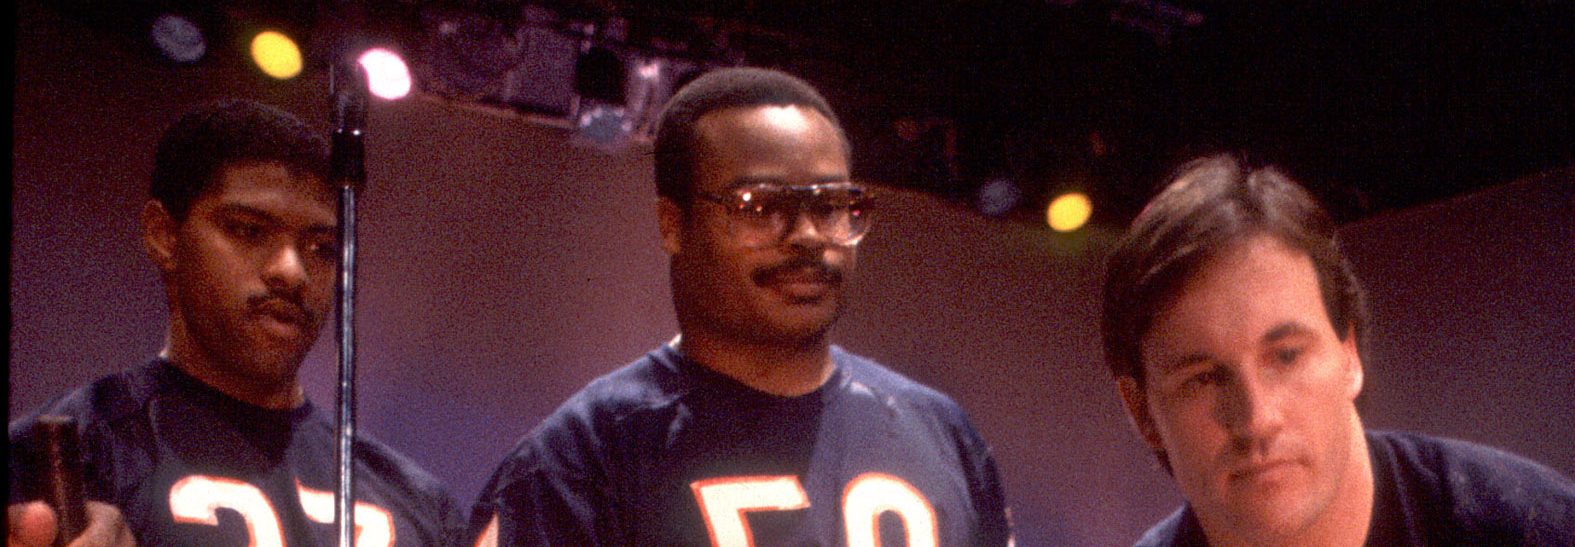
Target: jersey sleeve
{"type": "Point", "coordinates": [1502, 497]}
{"type": "Point", "coordinates": [552, 490]}
{"type": "Point", "coordinates": [990, 499]}
{"type": "Point", "coordinates": [984, 483]}
{"type": "Point", "coordinates": [452, 522]}
{"type": "Point", "coordinates": [535, 507]}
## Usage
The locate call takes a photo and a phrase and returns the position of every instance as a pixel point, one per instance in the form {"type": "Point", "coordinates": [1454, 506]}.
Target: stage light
{"type": "Point", "coordinates": [649, 70]}
{"type": "Point", "coordinates": [606, 127]}
{"type": "Point", "coordinates": [997, 197]}
{"type": "Point", "coordinates": [1069, 211]}
{"type": "Point", "coordinates": [649, 90]}
{"type": "Point", "coordinates": [276, 54]}
{"type": "Point", "coordinates": [178, 37]}
{"type": "Point", "coordinates": [386, 73]}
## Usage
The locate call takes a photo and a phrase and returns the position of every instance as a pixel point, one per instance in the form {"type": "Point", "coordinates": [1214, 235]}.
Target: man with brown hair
{"type": "Point", "coordinates": [1233, 326]}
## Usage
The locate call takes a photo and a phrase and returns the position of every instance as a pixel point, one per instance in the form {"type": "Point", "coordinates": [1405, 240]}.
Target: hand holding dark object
{"type": "Point", "coordinates": [32, 524]}
{"type": "Point", "coordinates": [63, 517]}
{"type": "Point", "coordinates": [60, 481]}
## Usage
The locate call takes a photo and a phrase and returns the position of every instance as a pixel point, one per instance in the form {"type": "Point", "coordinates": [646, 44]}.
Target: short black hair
{"type": "Point", "coordinates": [716, 90]}
{"type": "Point", "coordinates": [195, 150]}
{"type": "Point", "coordinates": [1211, 204]}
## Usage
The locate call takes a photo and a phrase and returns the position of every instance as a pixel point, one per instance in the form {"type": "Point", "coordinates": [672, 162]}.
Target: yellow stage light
{"type": "Point", "coordinates": [1069, 211]}
{"type": "Point", "coordinates": [276, 54]}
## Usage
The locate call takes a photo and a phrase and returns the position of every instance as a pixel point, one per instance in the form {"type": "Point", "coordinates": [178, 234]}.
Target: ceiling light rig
{"type": "Point", "coordinates": [602, 76]}
{"type": "Point", "coordinates": [466, 55]}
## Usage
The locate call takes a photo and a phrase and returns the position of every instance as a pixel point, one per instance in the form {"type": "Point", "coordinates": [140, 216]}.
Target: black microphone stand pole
{"type": "Point", "coordinates": [348, 88]}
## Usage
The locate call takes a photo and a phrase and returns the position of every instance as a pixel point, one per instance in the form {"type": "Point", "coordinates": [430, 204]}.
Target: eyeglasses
{"type": "Point", "coordinates": [759, 215]}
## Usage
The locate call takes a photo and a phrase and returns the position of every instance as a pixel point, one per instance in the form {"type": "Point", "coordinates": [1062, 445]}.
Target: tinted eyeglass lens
{"type": "Point", "coordinates": [763, 214]}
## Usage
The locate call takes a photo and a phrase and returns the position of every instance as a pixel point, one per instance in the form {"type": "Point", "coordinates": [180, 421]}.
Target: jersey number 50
{"type": "Point", "coordinates": [724, 502]}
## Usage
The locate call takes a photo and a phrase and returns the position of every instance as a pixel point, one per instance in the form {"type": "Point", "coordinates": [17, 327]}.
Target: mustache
{"type": "Point", "coordinates": [283, 308]}
{"type": "Point", "coordinates": [817, 269]}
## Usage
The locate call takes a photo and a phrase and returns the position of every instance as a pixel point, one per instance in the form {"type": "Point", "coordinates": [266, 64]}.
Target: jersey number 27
{"type": "Point", "coordinates": [198, 498]}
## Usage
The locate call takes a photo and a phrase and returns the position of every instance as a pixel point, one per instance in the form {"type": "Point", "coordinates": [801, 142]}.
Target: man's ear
{"type": "Point", "coordinates": [159, 231]}
{"type": "Point", "coordinates": [1136, 401]}
{"type": "Point", "coordinates": [1353, 364]}
{"type": "Point", "coordinates": [670, 220]}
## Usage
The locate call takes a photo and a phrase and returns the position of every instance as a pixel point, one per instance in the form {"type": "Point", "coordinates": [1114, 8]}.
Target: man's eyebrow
{"type": "Point", "coordinates": [1172, 365]}
{"type": "Point", "coordinates": [236, 209]}
{"type": "Point", "coordinates": [260, 215]}
{"type": "Point", "coordinates": [1285, 330]}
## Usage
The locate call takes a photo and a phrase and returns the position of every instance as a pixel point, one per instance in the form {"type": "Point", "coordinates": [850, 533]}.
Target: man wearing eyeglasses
{"type": "Point", "coordinates": [750, 428]}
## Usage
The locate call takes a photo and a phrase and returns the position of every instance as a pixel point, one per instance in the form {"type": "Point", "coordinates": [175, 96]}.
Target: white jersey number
{"type": "Point", "coordinates": [374, 527]}
{"type": "Point", "coordinates": [725, 501]}
{"type": "Point", "coordinates": [198, 498]}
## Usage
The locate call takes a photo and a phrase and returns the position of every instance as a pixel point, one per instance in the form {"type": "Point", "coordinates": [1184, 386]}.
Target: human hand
{"type": "Point", "coordinates": [32, 524]}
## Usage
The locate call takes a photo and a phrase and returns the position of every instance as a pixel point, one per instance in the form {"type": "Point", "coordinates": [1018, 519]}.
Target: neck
{"type": "Point", "coordinates": [779, 369]}
{"type": "Point", "coordinates": [188, 356]}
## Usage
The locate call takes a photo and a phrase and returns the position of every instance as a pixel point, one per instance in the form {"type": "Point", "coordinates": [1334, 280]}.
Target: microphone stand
{"type": "Point", "coordinates": [348, 89]}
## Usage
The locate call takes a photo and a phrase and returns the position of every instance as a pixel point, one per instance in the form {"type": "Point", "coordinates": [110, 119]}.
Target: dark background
{"type": "Point", "coordinates": [1377, 105]}
{"type": "Point", "coordinates": [504, 266]}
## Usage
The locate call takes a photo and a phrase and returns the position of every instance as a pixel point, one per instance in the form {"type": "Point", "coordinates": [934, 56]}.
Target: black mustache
{"type": "Point", "coordinates": [281, 307]}
{"type": "Point", "coordinates": [821, 270]}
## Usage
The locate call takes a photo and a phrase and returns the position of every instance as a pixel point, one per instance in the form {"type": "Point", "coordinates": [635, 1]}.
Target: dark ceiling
{"type": "Point", "coordinates": [1376, 106]}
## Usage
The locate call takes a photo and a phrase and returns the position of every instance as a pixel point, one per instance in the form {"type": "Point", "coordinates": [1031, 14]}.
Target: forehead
{"type": "Point", "coordinates": [769, 142]}
{"type": "Point", "coordinates": [1240, 294]}
{"type": "Point", "coordinates": [273, 189]}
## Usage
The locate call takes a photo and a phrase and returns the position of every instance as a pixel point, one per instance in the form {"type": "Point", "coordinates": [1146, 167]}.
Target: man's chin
{"type": "Point", "coordinates": [804, 320]}
{"type": "Point", "coordinates": [793, 331]}
{"type": "Point", "coordinates": [274, 365]}
{"type": "Point", "coordinates": [1273, 516]}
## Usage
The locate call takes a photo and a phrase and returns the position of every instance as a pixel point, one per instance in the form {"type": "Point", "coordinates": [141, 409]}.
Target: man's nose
{"type": "Point", "coordinates": [802, 231]}
{"type": "Point", "coordinates": [1253, 406]}
{"type": "Point", "coordinates": [285, 269]}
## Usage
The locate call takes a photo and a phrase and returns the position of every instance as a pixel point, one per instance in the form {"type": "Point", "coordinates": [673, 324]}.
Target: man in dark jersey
{"type": "Point", "coordinates": [751, 428]}
{"type": "Point", "coordinates": [212, 442]}
{"type": "Point", "coordinates": [1232, 323]}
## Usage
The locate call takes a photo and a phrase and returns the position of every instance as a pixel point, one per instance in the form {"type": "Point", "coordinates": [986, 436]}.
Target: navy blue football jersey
{"type": "Point", "coordinates": [189, 465]}
{"type": "Point", "coordinates": [667, 452]}
{"type": "Point", "coordinates": [1434, 491]}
